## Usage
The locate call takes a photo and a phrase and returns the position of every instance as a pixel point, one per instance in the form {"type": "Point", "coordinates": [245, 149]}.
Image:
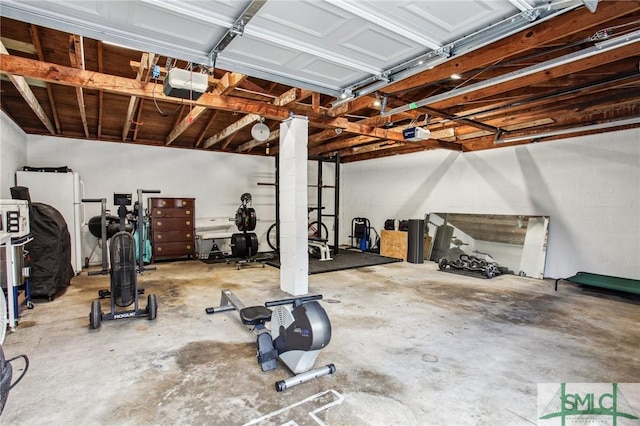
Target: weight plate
{"type": "Point", "coordinates": [252, 242]}
{"type": "Point", "coordinates": [238, 245]}
{"type": "Point", "coordinates": [240, 219]}
{"type": "Point", "coordinates": [251, 219]}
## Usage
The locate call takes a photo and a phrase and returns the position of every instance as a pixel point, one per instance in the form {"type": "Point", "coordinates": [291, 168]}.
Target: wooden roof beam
{"type": "Point", "coordinates": [248, 146]}
{"type": "Point", "coordinates": [543, 33]}
{"type": "Point", "coordinates": [286, 98]}
{"type": "Point", "coordinates": [35, 37]}
{"type": "Point", "coordinates": [76, 57]}
{"type": "Point", "coordinates": [546, 74]}
{"type": "Point", "coordinates": [362, 140]}
{"type": "Point", "coordinates": [341, 144]}
{"type": "Point", "coordinates": [202, 134]}
{"type": "Point", "coordinates": [225, 85]}
{"type": "Point", "coordinates": [228, 82]}
{"type": "Point", "coordinates": [68, 76]}
{"type": "Point", "coordinates": [100, 92]}
{"type": "Point", "coordinates": [25, 91]}
{"type": "Point", "coordinates": [147, 63]}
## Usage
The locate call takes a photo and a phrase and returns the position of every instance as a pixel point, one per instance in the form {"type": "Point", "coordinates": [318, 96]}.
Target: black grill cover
{"type": "Point", "coordinates": [50, 251]}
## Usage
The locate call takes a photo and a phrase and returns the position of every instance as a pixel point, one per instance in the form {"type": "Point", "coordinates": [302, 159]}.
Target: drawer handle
{"type": "Point", "coordinates": [164, 203]}
{"type": "Point", "coordinates": [159, 248]}
{"type": "Point", "coordinates": [159, 223]}
{"type": "Point", "coordinates": [188, 222]}
{"type": "Point", "coordinates": [188, 211]}
{"type": "Point", "coordinates": [188, 235]}
{"type": "Point", "coordinates": [159, 237]}
{"type": "Point", "coordinates": [188, 247]}
{"type": "Point", "coordinates": [159, 212]}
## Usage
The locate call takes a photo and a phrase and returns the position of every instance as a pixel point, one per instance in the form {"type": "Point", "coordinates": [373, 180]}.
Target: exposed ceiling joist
{"type": "Point", "coordinates": [23, 88]}
{"type": "Point", "coordinates": [147, 62]}
{"type": "Point", "coordinates": [285, 99]}
{"type": "Point", "coordinates": [599, 89]}
{"type": "Point", "coordinates": [76, 57]}
{"type": "Point", "coordinates": [543, 33]}
{"type": "Point", "coordinates": [35, 37]}
{"type": "Point", "coordinates": [201, 135]}
{"type": "Point", "coordinates": [602, 53]}
{"type": "Point", "coordinates": [248, 146]}
{"type": "Point", "coordinates": [228, 82]}
{"type": "Point", "coordinates": [100, 93]}
{"type": "Point", "coordinates": [225, 85]}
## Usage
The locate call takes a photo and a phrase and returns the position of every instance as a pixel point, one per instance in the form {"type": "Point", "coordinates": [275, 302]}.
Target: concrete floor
{"type": "Point", "coordinates": [412, 346]}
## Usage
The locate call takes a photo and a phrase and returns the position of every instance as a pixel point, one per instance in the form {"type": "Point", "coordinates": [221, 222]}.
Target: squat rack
{"type": "Point", "coordinates": [319, 187]}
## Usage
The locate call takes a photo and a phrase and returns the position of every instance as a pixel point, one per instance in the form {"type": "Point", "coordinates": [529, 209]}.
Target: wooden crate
{"type": "Point", "coordinates": [428, 243]}
{"type": "Point", "coordinates": [394, 244]}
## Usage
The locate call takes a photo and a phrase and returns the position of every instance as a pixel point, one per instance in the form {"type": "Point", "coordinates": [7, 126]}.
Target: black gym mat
{"type": "Point", "coordinates": [346, 259]}
{"type": "Point", "coordinates": [261, 257]}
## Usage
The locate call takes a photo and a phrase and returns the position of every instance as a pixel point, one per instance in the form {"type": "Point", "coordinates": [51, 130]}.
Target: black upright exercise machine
{"type": "Point", "coordinates": [300, 329]}
{"type": "Point", "coordinates": [102, 227]}
{"type": "Point", "coordinates": [124, 286]}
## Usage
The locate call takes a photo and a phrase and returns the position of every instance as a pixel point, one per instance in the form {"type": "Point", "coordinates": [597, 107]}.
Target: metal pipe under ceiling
{"type": "Point", "coordinates": [588, 128]}
{"type": "Point", "coordinates": [506, 27]}
{"type": "Point", "coordinates": [598, 48]}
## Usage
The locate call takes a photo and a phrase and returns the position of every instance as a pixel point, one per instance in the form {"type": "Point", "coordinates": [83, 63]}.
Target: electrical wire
{"type": "Point", "coordinates": [599, 35]}
{"type": "Point", "coordinates": [26, 367]}
{"type": "Point", "coordinates": [153, 95]}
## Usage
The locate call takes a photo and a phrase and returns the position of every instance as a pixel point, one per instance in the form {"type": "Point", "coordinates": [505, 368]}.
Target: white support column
{"type": "Point", "coordinates": [294, 258]}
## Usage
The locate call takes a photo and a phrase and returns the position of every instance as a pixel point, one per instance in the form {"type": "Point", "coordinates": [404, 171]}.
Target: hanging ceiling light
{"type": "Point", "coordinates": [260, 131]}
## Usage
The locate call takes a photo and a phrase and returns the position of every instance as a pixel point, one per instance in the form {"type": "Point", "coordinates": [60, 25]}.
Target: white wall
{"type": "Point", "coordinates": [589, 187]}
{"type": "Point", "coordinates": [13, 153]}
{"type": "Point", "coordinates": [215, 180]}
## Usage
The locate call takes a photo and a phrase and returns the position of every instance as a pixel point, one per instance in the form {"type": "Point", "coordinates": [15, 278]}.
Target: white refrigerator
{"type": "Point", "coordinates": [63, 192]}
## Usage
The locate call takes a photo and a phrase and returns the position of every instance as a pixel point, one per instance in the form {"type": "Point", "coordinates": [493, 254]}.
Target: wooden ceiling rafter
{"type": "Point", "coordinates": [556, 97]}
{"type": "Point", "coordinates": [76, 58]}
{"type": "Point", "coordinates": [571, 120]}
{"type": "Point", "coordinates": [248, 146]}
{"type": "Point", "coordinates": [205, 129]}
{"type": "Point", "coordinates": [228, 141]}
{"type": "Point", "coordinates": [564, 103]}
{"type": "Point", "coordinates": [408, 147]}
{"type": "Point", "coordinates": [27, 94]}
{"type": "Point", "coordinates": [341, 144]}
{"type": "Point", "coordinates": [100, 92]}
{"type": "Point", "coordinates": [526, 98]}
{"type": "Point", "coordinates": [223, 86]}
{"type": "Point", "coordinates": [138, 120]}
{"type": "Point", "coordinates": [286, 98]}
{"type": "Point", "coordinates": [315, 102]}
{"type": "Point", "coordinates": [543, 33]}
{"type": "Point", "coordinates": [378, 146]}
{"type": "Point", "coordinates": [68, 76]}
{"type": "Point", "coordinates": [229, 82]}
{"type": "Point", "coordinates": [35, 38]}
{"type": "Point", "coordinates": [147, 63]}
{"type": "Point", "coordinates": [531, 79]}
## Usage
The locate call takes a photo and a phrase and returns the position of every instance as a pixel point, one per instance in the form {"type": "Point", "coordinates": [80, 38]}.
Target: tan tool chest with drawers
{"type": "Point", "coordinates": [172, 228]}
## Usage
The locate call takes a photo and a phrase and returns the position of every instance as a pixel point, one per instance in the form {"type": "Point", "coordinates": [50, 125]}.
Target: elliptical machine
{"type": "Point", "coordinates": [124, 286]}
{"type": "Point", "coordinates": [300, 329]}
